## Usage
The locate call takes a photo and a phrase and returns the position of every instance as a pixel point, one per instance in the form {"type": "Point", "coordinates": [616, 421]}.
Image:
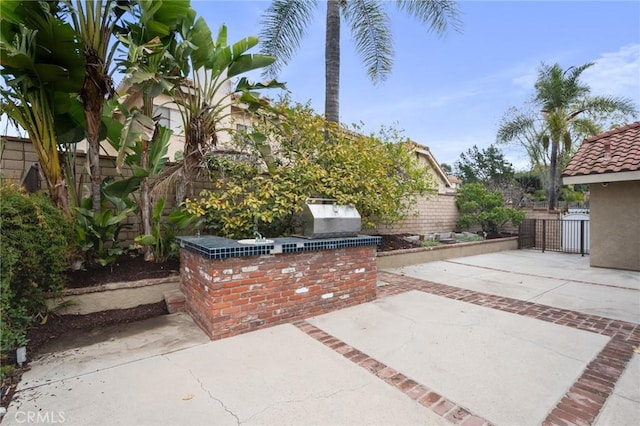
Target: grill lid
{"type": "Point", "coordinates": [323, 218]}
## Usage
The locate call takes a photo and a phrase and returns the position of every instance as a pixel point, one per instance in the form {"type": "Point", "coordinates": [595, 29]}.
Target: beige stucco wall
{"type": "Point", "coordinates": [615, 225]}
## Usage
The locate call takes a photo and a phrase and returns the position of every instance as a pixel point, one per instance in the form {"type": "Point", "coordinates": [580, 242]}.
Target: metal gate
{"type": "Point", "coordinates": [568, 236]}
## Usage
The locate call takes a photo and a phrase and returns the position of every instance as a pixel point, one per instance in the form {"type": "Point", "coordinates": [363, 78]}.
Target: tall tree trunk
{"type": "Point", "coordinates": [93, 92]}
{"type": "Point", "coordinates": [332, 62]}
{"type": "Point", "coordinates": [145, 190]}
{"type": "Point", "coordinates": [552, 190]}
{"type": "Point", "coordinates": [145, 201]}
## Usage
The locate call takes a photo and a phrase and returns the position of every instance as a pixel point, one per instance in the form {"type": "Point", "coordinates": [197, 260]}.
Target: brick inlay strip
{"type": "Point", "coordinates": [414, 390]}
{"type": "Point", "coordinates": [586, 397]}
{"type": "Point", "coordinates": [628, 331]}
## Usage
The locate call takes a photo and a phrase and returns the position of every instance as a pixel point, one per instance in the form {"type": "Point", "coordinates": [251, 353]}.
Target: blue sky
{"type": "Point", "coordinates": [450, 93]}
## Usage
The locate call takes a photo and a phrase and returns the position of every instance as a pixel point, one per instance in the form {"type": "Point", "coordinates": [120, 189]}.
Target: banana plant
{"type": "Point", "coordinates": [42, 70]}
{"type": "Point", "coordinates": [205, 104]}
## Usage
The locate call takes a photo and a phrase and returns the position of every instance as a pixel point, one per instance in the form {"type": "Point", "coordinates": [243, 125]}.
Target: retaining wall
{"type": "Point", "coordinates": [400, 258]}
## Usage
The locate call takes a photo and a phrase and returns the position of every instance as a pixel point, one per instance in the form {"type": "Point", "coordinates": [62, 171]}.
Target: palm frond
{"type": "Point", "coordinates": [438, 15]}
{"type": "Point", "coordinates": [284, 24]}
{"type": "Point", "coordinates": [511, 128]}
{"type": "Point", "coordinates": [610, 104]}
{"type": "Point", "coordinates": [370, 28]}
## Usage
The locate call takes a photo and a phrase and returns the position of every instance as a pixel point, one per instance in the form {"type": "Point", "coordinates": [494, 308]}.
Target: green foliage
{"type": "Point", "coordinates": [478, 206]}
{"type": "Point", "coordinates": [162, 237]}
{"type": "Point", "coordinates": [530, 182]}
{"type": "Point", "coordinates": [305, 156]}
{"type": "Point", "coordinates": [430, 243]}
{"type": "Point", "coordinates": [465, 238]}
{"type": "Point", "coordinates": [98, 231]}
{"type": "Point", "coordinates": [488, 167]}
{"type": "Point", "coordinates": [37, 241]}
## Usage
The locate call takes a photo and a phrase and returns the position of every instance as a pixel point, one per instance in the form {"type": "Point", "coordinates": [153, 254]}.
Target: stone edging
{"type": "Point", "coordinates": [117, 286]}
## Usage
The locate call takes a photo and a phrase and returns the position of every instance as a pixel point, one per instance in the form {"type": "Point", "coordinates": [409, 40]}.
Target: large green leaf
{"type": "Point", "coordinates": [245, 63]}
{"type": "Point", "coordinates": [157, 210]}
{"type": "Point", "coordinates": [201, 38]}
{"type": "Point", "coordinates": [118, 191]}
{"type": "Point", "coordinates": [158, 149]}
{"type": "Point", "coordinates": [137, 126]}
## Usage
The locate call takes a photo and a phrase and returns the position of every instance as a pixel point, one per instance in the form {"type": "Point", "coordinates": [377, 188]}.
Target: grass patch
{"type": "Point", "coordinates": [430, 243]}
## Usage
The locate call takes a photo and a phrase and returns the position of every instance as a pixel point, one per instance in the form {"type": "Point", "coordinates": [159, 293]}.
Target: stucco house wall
{"type": "Point", "coordinates": [610, 164]}
{"type": "Point", "coordinates": [615, 232]}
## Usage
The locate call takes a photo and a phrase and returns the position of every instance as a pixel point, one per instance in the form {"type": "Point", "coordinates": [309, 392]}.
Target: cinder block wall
{"type": "Point", "coordinates": [18, 157]}
{"type": "Point", "coordinates": [433, 213]}
{"type": "Point", "coordinates": [226, 297]}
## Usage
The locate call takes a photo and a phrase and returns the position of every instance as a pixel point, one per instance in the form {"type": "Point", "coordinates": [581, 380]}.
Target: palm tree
{"type": "Point", "coordinates": [285, 22]}
{"type": "Point", "coordinates": [566, 113]}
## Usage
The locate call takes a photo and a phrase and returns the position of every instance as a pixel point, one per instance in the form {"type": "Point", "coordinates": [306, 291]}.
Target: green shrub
{"type": "Point", "coordinates": [304, 156]}
{"type": "Point", "coordinates": [36, 242]}
{"type": "Point", "coordinates": [478, 206]}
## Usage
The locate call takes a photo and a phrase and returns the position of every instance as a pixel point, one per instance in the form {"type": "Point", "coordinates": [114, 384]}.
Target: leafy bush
{"type": "Point", "coordinates": [98, 232]}
{"type": "Point", "coordinates": [304, 156]}
{"type": "Point", "coordinates": [478, 206]}
{"type": "Point", "coordinates": [36, 242]}
{"type": "Point", "coordinates": [162, 237]}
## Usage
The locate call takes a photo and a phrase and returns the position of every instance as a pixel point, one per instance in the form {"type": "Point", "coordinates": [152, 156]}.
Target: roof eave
{"type": "Point", "coordinates": [602, 177]}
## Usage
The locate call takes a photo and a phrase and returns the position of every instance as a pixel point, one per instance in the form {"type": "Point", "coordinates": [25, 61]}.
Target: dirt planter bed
{"type": "Point", "coordinates": [400, 258]}
{"type": "Point", "coordinates": [121, 295]}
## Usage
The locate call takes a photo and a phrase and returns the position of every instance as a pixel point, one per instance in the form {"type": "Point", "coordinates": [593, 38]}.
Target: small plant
{"type": "Point", "coordinates": [98, 232]}
{"type": "Point", "coordinates": [465, 238]}
{"type": "Point", "coordinates": [162, 238]}
{"type": "Point", "coordinates": [430, 243]}
{"type": "Point", "coordinates": [37, 243]}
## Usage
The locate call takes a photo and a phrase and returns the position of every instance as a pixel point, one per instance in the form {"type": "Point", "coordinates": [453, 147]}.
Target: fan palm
{"type": "Point", "coordinates": [566, 110]}
{"type": "Point", "coordinates": [285, 23]}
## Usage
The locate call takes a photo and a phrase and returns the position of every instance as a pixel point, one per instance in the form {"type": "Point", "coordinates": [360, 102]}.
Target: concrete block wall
{"type": "Point", "coordinates": [434, 213]}
{"type": "Point", "coordinates": [226, 297]}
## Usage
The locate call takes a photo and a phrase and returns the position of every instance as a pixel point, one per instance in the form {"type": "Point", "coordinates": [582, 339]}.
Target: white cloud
{"type": "Point", "coordinates": [616, 73]}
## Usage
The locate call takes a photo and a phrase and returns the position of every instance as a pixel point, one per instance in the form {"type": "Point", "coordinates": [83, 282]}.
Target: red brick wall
{"type": "Point", "coordinates": [226, 297]}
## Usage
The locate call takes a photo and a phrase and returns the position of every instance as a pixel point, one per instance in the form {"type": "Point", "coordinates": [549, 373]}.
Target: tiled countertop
{"type": "Point", "coordinates": [211, 247]}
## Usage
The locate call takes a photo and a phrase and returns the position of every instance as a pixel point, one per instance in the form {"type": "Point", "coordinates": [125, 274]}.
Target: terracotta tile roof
{"type": "Point", "coordinates": [614, 151]}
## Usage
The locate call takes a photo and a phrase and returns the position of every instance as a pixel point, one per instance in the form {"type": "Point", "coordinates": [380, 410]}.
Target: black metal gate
{"type": "Point", "coordinates": [527, 234]}
{"type": "Point", "coordinates": [568, 236]}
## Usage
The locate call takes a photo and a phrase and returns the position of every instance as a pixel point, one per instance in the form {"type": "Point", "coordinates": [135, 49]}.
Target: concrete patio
{"type": "Point", "coordinates": [510, 338]}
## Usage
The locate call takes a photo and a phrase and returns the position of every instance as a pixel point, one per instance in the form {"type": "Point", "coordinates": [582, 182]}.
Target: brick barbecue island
{"type": "Point", "coordinates": [232, 288]}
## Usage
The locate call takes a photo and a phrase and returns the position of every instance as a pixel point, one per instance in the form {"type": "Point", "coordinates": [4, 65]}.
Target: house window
{"type": "Point", "coordinates": [170, 118]}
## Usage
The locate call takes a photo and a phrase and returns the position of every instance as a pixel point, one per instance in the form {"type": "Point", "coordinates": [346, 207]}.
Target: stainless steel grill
{"type": "Point", "coordinates": [323, 218]}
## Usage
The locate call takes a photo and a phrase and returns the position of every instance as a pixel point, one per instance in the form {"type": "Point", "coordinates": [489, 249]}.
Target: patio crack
{"type": "Point", "coordinates": [543, 346]}
{"type": "Point", "coordinates": [295, 401]}
{"type": "Point", "coordinates": [537, 296]}
{"type": "Point", "coordinates": [208, 392]}
{"type": "Point", "coordinates": [412, 324]}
